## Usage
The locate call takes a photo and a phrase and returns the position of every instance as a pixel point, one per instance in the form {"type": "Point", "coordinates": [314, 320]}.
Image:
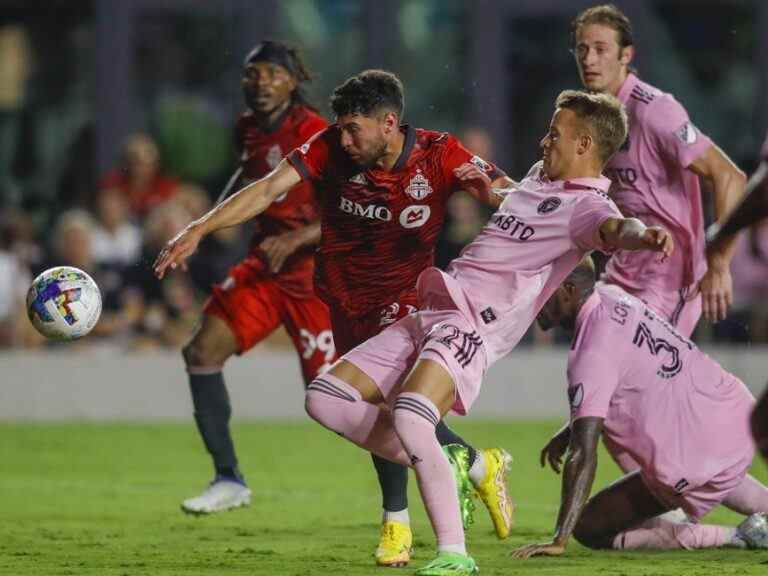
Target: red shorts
{"type": "Point", "coordinates": [349, 332]}
{"type": "Point", "coordinates": [254, 306]}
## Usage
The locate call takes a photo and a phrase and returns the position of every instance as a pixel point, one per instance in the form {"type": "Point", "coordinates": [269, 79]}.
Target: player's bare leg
{"type": "Point", "coordinates": [212, 344]}
{"type": "Point", "coordinates": [616, 518]}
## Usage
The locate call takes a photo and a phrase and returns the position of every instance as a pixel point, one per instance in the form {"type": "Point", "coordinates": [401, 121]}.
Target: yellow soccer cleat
{"type": "Point", "coordinates": [493, 490]}
{"type": "Point", "coordinates": [394, 545]}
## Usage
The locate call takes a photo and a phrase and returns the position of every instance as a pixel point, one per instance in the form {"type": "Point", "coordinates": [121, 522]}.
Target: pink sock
{"type": "Point", "coordinates": [672, 536]}
{"type": "Point", "coordinates": [748, 497]}
{"type": "Point", "coordinates": [415, 420]}
{"type": "Point", "coordinates": [339, 407]}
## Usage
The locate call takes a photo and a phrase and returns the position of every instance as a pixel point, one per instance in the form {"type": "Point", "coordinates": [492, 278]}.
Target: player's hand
{"type": "Point", "coordinates": [658, 239]}
{"type": "Point", "coordinates": [474, 180]}
{"type": "Point", "coordinates": [277, 249]}
{"type": "Point", "coordinates": [554, 451]}
{"type": "Point", "coordinates": [544, 549]}
{"type": "Point", "coordinates": [178, 249]}
{"type": "Point", "coordinates": [716, 291]}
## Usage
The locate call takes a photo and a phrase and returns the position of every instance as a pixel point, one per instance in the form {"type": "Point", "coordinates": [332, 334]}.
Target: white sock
{"type": "Point", "coordinates": [401, 517]}
{"type": "Point", "coordinates": [477, 470]}
{"type": "Point", "coordinates": [453, 549]}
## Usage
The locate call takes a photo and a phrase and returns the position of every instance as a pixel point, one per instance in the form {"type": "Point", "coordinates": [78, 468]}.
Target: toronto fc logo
{"type": "Point", "coordinates": [418, 188]}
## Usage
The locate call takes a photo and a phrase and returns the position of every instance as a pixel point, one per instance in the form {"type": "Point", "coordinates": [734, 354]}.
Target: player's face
{"type": "Point", "coordinates": [267, 87]}
{"type": "Point", "coordinates": [601, 61]}
{"type": "Point", "coordinates": [363, 138]}
{"type": "Point", "coordinates": [559, 145]}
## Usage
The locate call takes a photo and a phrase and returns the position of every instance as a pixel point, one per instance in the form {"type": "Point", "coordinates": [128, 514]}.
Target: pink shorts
{"type": "Point", "coordinates": [698, 502]}
{"type": "Point", "coordinates": [444, 336]}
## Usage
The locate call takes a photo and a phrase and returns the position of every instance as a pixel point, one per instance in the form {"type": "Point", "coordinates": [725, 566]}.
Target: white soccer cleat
{"type": "Point", "coordinates": [754, 531]}
{"type": "Point", "coordinates": [221, 494]}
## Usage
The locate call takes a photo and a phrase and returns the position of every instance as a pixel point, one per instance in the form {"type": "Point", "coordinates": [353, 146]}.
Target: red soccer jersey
{"type": "Point", "coordinates": [379, 228]}
{"type": "Point", "coordinates": [260, 153]}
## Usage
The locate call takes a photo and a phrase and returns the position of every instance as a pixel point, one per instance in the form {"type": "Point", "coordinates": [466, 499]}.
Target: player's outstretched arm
{"type": "Point", "coordinates": [248, 202]}
{"type": "Point", "coordinates": [578, 476]}
{"type": "Point", "coordinates": [632, 234]}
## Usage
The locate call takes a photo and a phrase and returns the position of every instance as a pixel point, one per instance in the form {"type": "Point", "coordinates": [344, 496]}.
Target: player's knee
{"type": "Point", "coordinates": [588, 537]}
{"type": "Point", "coordinates": [202, 352]}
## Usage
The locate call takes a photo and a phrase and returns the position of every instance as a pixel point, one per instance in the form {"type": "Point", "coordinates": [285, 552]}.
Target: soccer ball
{"type": "Point", "coordinates": [64, 303]}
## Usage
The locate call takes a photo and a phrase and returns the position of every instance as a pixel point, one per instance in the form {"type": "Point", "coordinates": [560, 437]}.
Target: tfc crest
{"type": "Point", "coordinates": [418, 188]}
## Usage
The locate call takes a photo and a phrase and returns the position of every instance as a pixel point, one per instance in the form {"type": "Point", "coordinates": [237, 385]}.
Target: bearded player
{"type": "Point", "coordinates": [433, 361]}
{"type": "Point", "coordinates": [752, 209]}
{"type": "Point", "coordinates": [384, 188]}
{"type": "Point", "coordinates": [634, 378]}
{"type": "Point", "coordinates": [272, 286]}
{"type": "Point", "coordinates": [655, 177]}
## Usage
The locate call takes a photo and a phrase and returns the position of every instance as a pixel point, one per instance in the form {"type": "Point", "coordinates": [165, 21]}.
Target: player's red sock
{"type": "Point", "coordinates": [339, 407]}
{"type": "Point", "coordinates": [672, 536]}
{"type": "Point", "coordinates": [748, 497]}
{"type": "Point", "coordinates": [415, 420]}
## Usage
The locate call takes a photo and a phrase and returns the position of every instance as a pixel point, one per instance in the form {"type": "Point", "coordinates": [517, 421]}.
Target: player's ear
{"type": "Point", "coordinates": [585, 143]}
{"type": "Point", "coordinates": [626, 55]}
{"type": "Point", "coordinates": [391, 122]}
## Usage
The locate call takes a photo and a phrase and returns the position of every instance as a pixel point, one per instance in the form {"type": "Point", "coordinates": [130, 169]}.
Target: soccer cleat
{"type": "Point", "coordinates": [754, 531]}
{"type": "Point", "coordinates": [458, 456]}
{"type": "Point", "coordinates": [449, 564]}
{"type": "Point", "coordinates": [494, 493]}
{"type": "Point", "coordinates": [221, 494]}
{"type": "Point", "coordinates": [394, 545]}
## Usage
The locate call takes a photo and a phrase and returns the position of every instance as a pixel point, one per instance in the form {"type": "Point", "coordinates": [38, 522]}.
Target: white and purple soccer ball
{"type": "Point", "coordinates": [64, 303]}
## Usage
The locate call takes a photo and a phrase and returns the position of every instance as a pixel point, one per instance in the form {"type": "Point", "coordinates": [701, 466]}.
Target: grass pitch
{"type": "Point", "coordinates": [93, 499]}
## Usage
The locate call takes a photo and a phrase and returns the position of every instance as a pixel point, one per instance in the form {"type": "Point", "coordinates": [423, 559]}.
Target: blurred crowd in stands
{"type": "Point", "coordinates": [115, 233]}
{"type": "Point", "coordinates": [56, 210]}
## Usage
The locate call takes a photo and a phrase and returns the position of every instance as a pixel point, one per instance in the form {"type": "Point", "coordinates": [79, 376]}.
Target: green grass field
{"type": "Point", "coordinates": [104, 500]}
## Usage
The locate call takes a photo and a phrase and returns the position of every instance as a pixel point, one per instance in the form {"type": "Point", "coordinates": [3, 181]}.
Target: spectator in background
{"type": "Point", "coordinates": [140, 177]}
{"type": "Point", "coordinates": [73, 245]}
{"type": "Point", "coordinates": [116, 239]}
{"type": "Point", "coordinates": [749, 269]}
{"type": "Point", "coordinates": [464, 217]}
{"type": "Point", "coordinates": [170, 308]}
{"type": "Point", "coordinates": [15, 279]}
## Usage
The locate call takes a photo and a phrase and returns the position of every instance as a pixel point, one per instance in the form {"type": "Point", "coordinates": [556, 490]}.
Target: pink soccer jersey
{"type": "Point", "coordinates": [651, 182]}
{"type": "Point", "coordinates": [682, 417]}
{"type": "Point", "coordinates": [534, 240]}
{"type": "Point", "coordinates": [477, 312]}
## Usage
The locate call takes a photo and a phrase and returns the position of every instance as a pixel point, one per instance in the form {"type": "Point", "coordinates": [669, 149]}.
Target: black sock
{"type": "Point", "coordinates": [212, 412]}
{"type": "Point", "coordinates": [393, 479]}
{"type": "Point", "coordinates": [447, 436]}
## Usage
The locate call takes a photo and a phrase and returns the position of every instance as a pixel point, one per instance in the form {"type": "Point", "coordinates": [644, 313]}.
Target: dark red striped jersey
{"type": "Point", "coordinates": [260, 153]}
{"type": "Point", "coordinates": [379, 228]}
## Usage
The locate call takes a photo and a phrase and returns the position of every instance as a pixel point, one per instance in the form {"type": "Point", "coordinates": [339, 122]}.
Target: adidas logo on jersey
{"type": "Point", "coordinates": [359, 179]}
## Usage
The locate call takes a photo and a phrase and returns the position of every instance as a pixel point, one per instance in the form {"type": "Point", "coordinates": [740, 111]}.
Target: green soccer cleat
{"type": "Point", "coordinates": [458, 456]}
{"type": "Point", "coordinates": [449, 564]}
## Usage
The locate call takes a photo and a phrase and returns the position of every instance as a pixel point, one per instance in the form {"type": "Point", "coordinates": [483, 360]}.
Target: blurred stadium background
{"type": "Point", "coordinates": [92, 90]}
{"type": "Point", "coordinates": [97, 96]}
